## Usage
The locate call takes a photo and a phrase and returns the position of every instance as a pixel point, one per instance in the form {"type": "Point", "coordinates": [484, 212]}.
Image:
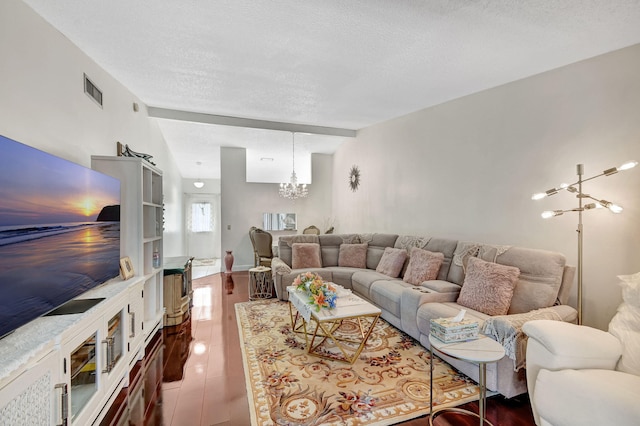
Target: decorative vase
{"type": "Point", "coordinates": [228, 261]}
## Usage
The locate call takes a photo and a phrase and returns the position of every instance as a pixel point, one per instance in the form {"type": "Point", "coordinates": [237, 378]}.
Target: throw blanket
{"type": "Point", "coordinates": [408, 241]}
{"type": "Point", "coordinates": [466, 249]}
{"type": "Point", "coordinates": [507, 330]}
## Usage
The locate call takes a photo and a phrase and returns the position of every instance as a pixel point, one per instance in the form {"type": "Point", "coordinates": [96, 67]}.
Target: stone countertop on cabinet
{"type": "Point", "coordinates": [37, 338]}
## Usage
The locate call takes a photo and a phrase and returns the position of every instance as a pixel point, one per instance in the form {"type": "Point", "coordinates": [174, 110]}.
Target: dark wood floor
{"type": "Point", "coordinates": [212, 390]}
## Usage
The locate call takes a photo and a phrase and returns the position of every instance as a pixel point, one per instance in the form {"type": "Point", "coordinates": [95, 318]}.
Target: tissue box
{"type": "Point", "coordinates": [448, 331]}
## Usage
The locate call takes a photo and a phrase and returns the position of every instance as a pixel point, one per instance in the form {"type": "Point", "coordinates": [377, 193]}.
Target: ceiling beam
{"type": "Point", "coordinates": [223, 120]}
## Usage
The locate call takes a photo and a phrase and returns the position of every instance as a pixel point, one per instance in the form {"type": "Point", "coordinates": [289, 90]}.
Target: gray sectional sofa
{"type": "Point", "coordinates": [541, 291]}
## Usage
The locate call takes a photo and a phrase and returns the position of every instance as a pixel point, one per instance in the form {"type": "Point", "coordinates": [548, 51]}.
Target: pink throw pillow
{"type": "Point", "coordinates": [392, 261]}
{"type": "Point", "coordinates": [305, 255]}
{"type": "Point", "coordinates": [488, 287]}
{"type": "Point", "coordinates": [353, 255]}
{"type": "Point", "coordinates": [424, 265]}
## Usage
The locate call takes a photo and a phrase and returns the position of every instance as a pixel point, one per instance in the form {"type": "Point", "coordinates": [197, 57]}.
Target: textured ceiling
{"type": "Point", "coordinates": [335, 63]}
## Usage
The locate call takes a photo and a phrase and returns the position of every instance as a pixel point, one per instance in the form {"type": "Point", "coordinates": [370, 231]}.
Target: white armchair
{"type": "Point", "coordinates": [572, 377]}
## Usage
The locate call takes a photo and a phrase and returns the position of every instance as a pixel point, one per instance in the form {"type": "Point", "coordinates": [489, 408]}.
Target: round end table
{"type": "Point", "coordinates": [481, 351]}
{"type": "Point", "coordinates": [260, 286]}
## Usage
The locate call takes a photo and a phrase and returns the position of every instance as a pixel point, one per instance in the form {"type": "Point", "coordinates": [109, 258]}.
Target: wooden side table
{"type": "Point", "coordinates": [481, 352]}
{"type": "Point", "coordinates": [260, 286]}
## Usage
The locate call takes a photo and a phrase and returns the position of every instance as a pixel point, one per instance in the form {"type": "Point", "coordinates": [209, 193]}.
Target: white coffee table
{"type": "Point", "coordinates": [327, 321]}
{"type": "Point", "coordinates": [481, 351]}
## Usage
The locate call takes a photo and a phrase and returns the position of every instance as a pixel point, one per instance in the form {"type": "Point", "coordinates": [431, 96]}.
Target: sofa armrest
{"type": "Point", "coordinates": [410, 301]}
{"type": "Point", "coordinates": [556, 345]}
{"type": "Point", "coordinates": [441, 286]}
{"type": "Point", "coordinates": [573, 346]}
{"type": "Point", "coordinates": [507, 330]}
{"type": "Point", "coordinates": [278, 266]}
{"type": "Point", "coordinates": [278, 269]}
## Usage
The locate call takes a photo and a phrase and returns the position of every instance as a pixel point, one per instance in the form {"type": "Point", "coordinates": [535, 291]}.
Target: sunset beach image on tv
{"type": "Point", "coordinates": [59, 232]}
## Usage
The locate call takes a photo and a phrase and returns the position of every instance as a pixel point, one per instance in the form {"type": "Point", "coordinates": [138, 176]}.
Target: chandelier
{"type": "Point", "coordinates": [293, 190]}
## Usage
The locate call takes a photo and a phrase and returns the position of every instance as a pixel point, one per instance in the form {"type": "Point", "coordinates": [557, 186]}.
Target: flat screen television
{"type": "Point", "coordinates": [59, 232]}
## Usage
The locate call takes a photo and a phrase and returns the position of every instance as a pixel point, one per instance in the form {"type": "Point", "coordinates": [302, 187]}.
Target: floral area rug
{"type": "Point", "coordinates": [389, 383]}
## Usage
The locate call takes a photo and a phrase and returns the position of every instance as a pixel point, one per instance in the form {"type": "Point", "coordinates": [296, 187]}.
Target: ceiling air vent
{"type": "Point", "coordinates": [92, 91]}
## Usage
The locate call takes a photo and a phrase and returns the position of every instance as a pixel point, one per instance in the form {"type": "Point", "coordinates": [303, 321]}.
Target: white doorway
{"type": "Point", "coordinates": [202, 216]}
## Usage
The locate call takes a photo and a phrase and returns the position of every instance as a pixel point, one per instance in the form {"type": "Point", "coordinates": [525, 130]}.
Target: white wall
{"type": "Point", "coordinates": [43, 104]}
{"type": "Point", "coordinates": [211, 186]}
{"type": "Point", "coordinates": [466, 169]}
{"type": "Point", "coordinates": [243, 204]}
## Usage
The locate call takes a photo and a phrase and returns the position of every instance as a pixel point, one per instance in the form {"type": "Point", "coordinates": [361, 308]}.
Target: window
{"type": "Point", "coordinates": [201, 218]}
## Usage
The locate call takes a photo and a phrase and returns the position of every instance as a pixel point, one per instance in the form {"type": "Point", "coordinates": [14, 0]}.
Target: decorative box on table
{"type": "Point", "coordinates": [449, 331]}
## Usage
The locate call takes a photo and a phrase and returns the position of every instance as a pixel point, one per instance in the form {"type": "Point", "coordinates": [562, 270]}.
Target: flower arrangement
{"type": "Point", "coordinates": [321, 294]}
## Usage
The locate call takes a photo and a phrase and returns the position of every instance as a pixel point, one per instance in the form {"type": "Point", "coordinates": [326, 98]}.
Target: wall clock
{"type": "Point", "coordinates": [354, 178]}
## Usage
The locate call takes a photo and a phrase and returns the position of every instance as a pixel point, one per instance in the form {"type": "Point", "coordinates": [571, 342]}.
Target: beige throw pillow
{"type": "Point", "coordinates": [392, 261]}
{"type": "Point", "coordinates": [305, 255]}
{"type": "Point", "coordinates": [488, 287]}
{"type": "Point", "coordinates": [353, 255]}
{"type": "Point", "coordinates": [424, 265]}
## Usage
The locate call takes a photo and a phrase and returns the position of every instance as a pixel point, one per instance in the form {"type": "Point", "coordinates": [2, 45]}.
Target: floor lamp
{"type": "Point", "coordinates": [576, 188]}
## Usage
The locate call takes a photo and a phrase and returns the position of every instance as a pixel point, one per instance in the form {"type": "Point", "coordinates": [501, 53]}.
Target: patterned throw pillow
{"type": "Point", "coordinates": [424, 265]}
{"type": "Point", "coordinates": [353, 255]}
{"type": "Point", "coordinates": [488, 287]}
{"type": "Point", "coordinates": [392, 261]}
{"type": "Point", "coordinates": [305, 255]}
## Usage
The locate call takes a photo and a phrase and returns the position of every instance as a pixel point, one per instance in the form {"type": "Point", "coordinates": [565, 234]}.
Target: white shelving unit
{"type": "Point", "coordinates": [68, 369]}
{"type": "Point", "coordinates": [142, 221]}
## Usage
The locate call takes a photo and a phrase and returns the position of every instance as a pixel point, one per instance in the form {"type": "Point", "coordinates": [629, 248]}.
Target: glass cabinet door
{"type": "Point", "coordinates": [84, 382]}
{"type": "Point", "coordinates": [114, 341]}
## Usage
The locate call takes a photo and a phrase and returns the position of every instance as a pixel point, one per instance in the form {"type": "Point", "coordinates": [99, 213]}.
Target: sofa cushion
{"type": "Point", "coordinates": [330, 246]}
{"type": "Point", "coordinates": [387, 294]}
{"type": "Point", "coordinates": [342, 275]}
{"type": "Point", "coordinates": [353, 255]}
{"type": "Point", "coordinates": [447, 247]}
{"type": "Point", "coordinates": [392, 261]}
{"type": "Point", "coordinates": [561, 397]}
{"type": "Point", "coordinates": [488, 287]}
{"type": "Point", "coordinates": [377, 244]}
{"type": "Point", "coordinates": [540, 278]}
{"type": "Point", "coordinates": [305, 255]}
{"type": "Point", "coordinates": [362, 280]}
{"type": "Point", "coordinates": [442, 286]}
{"type": "Point", "coordinates": [285, 245]}
{"type": "Point", "coordinates": [424, 265]}
{"type": "Point", "coordinates": [407, 242]}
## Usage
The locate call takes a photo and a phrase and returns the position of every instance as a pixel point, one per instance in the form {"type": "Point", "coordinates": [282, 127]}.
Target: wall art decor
{"type": "Point", "coordinates": [354, 178]}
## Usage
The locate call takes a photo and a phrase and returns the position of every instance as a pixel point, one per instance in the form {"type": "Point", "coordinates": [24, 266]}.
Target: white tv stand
{"type": "Point", "coordinates": [69, 369]}
{"type": "Point", "coordinates": [36, 373]}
